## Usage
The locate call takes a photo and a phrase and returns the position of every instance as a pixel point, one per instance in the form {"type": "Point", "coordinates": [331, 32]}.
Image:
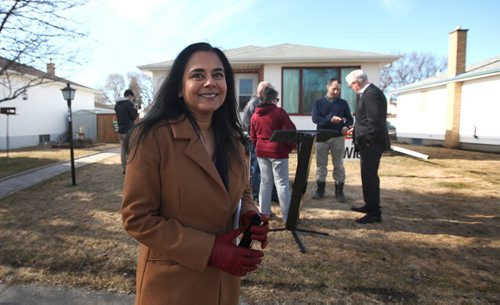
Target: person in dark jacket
{"type": "Point", "coordinates": [272, 156]}
{"type": "Point", "coordinates": [372, 139]}
{"type": "Point", "coordinates": [126, 114]}
{"type": "Point", "coordinates": [332, 115]}
{"type": "Point", "coordinates": [247, 116]}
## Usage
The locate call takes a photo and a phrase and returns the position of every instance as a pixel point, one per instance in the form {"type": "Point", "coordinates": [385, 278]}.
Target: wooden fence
{"type": "Point", "coordinates": [105, 128]}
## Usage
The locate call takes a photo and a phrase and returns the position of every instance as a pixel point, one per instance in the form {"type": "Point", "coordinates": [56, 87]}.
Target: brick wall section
{"type": "Point", "coordinates": [452, 135]}
{"type": "Point", "coordinates": [456, 66]}
{"type": "Point", "coordinates": [457, 52]}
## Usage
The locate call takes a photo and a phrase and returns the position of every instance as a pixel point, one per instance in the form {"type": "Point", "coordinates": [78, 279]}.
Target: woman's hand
{"type": "Point", "coordinates": [259, 232]}
{"type": "Point", "coordinates": [232, 259]}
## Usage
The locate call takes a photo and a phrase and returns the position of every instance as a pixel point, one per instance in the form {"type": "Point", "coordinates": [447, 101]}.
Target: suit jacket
{"type": "Point", "coordinates": [370, 126]}
{"type": "Point", "coordinates": [174, 204]}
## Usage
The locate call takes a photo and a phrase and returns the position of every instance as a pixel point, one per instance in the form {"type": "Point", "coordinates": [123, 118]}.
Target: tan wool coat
{"type": "Point", "coordinates": [174, 204]}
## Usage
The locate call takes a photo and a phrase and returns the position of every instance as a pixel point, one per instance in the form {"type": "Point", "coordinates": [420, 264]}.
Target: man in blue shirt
{"type": "Point", "coordinates": [333, 118]}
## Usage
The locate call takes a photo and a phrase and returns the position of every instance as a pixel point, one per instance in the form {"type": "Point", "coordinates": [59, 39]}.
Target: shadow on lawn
{"type": "Point", "coordinates": [54, 229]}
{"type": "Point", "coordinates": [73, 235]}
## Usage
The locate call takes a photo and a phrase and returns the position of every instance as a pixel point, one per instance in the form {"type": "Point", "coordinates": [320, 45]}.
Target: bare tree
{"type": "Point", "coordinates": [410, 68]}
{"type": "Point", "coordinates": [114, 87]}
{"type": "Point", "coordinates": [133, 85]}
{"type": "Point", "coordinates": [34, 33]}
{"type": "Point", "coordinates": [143, 84]}
{"type": "Point", "coordinates": [140, 83]}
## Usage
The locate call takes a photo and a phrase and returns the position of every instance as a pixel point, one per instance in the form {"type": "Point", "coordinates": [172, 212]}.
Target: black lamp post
{"type": "Point", "coordinates": [69, 94]}
{"type": "Point", "coordinates": [8, 111]}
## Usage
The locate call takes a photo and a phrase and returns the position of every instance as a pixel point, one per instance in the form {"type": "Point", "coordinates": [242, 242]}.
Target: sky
{"type": "Point", "coordinates": [124, 34]}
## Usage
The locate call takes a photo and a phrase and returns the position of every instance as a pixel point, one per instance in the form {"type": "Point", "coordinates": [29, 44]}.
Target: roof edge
{"type": "Point", "coordinates": [461, 77]}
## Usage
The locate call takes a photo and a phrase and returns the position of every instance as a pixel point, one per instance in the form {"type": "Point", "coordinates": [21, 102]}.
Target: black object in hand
{"type": "Point", "coordinates": [246, 241]}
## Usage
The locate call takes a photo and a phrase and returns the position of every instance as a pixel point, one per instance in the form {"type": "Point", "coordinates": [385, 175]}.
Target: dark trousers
{"type": "Point", "coordinates": [254, 172]}
{"type": "Point", "coordinates": [370, 161]}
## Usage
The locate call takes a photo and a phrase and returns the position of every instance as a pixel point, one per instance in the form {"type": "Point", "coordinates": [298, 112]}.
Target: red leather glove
{"type": "Point", "coordinates": [232, 259]}
{"type": "Point", "coordinates": [258, 232]}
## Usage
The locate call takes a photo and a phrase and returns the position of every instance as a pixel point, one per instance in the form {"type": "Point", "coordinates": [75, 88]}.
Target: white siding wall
{"type": "Point", "coordinates": [43, 113]}
{"type": "Point", "coordinates": [158, 78]}
{"type": "Point", "coordinates": [373, 72]}
{"type": "Point", "coordinates": [480, 111]}
{"type": "Point", "coordinates": [422, 114]}
{"type": "Point", "coordinates": [272, 74]}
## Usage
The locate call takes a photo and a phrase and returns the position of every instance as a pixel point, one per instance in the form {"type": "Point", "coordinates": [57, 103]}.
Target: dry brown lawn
{"type": "Point", "coordinates": [32, 157]}
{"type": "Point", "coordinates": [438, 243]}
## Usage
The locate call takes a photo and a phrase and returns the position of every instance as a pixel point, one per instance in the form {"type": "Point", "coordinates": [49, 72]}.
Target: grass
{"type": "Point", "coordinates": [438, 242]}
{"type": "Point", "coordinates": [28, 158]}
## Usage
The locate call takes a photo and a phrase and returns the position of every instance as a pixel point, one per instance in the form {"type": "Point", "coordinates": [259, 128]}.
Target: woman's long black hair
{"type": "Point", "coordinates": [168, 105]}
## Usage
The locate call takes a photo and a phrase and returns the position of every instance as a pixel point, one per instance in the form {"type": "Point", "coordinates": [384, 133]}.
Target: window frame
{"type": "Point", "coordinates": [237, 83]}
{"type": "Point", "coordinates": [301, 81]}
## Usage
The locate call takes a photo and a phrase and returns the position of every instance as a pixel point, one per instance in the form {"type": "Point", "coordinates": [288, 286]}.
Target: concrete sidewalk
{"type": "Point", "coordinates": [32, 294]}
{"type": "Point", "coordinates": [21, 181]}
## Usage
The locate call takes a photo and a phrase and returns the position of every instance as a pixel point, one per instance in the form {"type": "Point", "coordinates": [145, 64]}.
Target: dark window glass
{"type": "Point", "coordinates": [303, 86]}
{"type": "Point", "coordinates": [246, 89]}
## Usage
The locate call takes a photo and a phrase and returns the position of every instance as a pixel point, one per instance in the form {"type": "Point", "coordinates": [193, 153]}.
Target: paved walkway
{"type": "Point", "coordinates": [32, 294]}
{"type": "Point", "coordinates": [23, 180]}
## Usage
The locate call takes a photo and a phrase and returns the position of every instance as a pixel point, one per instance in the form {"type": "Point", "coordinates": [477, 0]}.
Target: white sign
{"type": "Point", "coordinates": [349, 153]}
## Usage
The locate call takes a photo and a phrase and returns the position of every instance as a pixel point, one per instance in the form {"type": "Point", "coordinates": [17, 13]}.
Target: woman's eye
{"type": "Point", "coordinates": [218, 75]}
{"type": "Point", "coordinates": [197, 76]}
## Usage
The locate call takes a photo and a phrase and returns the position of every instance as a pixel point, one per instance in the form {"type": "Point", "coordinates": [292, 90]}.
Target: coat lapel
{"type": "Point", "coordinates": [195, 150]}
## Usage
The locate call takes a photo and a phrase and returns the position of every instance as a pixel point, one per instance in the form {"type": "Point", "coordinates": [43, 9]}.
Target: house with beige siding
{"type": "Point", "coordinates": [298, 72]}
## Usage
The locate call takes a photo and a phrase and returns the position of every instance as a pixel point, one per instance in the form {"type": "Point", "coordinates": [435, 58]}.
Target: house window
{"type": "Point", "coordinates": [245, 92]}
{"type": "Point", "coordinates": [43, 139]}
{"type": "Point", "coordinates": [303, 86]}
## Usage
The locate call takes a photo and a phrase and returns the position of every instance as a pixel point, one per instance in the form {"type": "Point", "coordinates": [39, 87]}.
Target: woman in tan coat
{"type": "Point", "coordinates": [187, 172]}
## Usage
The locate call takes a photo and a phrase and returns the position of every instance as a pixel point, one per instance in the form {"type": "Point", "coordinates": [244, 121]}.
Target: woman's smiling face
{"type": "Point", "coordinates": [204, 85]}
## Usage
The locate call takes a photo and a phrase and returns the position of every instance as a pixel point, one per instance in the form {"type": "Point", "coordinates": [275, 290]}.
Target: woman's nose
{"type": "Point", "coordinates": [210, 81]}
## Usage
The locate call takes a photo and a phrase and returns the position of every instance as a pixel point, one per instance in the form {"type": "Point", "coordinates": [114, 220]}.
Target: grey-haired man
{"type": "Point", "coordinates": [371, 137]}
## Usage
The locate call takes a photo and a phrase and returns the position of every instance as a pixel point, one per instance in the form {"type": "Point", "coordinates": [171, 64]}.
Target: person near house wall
{"type": "Point", "coordinates": [126, 114]}
{"type": "Point", "coordinates": [332, 116]}
{"type": "Point", "coordinates": [248, 111]}
{"type": "Point", "coordinates": [187, 172]}
{"type": "Point", "coordinates": [371, 137]}
{"type": "Point", "coordinates": [272, 156]}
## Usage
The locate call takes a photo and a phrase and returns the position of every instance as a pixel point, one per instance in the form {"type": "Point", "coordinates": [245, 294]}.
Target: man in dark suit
{"type": "Point", "coordinates": [372, 139]}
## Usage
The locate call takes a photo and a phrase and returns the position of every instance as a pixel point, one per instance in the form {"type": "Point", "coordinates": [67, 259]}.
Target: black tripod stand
{"type": "Point", "coordinates": [305, 140]}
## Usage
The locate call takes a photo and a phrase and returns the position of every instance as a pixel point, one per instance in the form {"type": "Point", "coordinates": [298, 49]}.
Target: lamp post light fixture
{"type": "Point", "coordinates": [69, 95]}
{"type": "Point", "coordinates": [8, 111]}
